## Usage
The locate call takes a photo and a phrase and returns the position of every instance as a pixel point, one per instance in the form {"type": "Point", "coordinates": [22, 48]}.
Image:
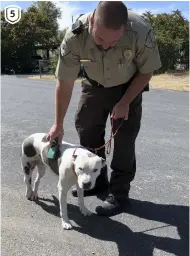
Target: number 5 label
{"type": "Point", "coordinates": [12, 14]}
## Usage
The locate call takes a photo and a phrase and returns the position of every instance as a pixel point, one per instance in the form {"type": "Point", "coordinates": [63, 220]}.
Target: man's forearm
{"type": "Point", "coordinates": [63, 93]}
{"type": "Point", "coordinates": [137, 85]}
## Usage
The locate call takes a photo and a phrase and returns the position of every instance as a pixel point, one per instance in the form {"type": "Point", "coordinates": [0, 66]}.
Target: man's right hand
{"type": "Point", "coordinates": [56, 131]}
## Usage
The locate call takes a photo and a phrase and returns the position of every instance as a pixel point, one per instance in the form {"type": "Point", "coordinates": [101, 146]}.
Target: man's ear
{"type": "Point", "coordinates": [91, 20]}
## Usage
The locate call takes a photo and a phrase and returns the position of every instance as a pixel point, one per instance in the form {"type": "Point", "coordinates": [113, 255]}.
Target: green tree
{"type": "Point", "coordinates": [54, 59]}
{"type": "Point", "coordinates": [172, 35]}
{"type": "Point", "coordinates": [38, 26]}
{"type": "Point", "coordinates": [61, 35]}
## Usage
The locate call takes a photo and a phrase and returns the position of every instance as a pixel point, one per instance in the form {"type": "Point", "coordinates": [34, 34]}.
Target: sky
{"type": "Point", "coordinates": [75, 8]}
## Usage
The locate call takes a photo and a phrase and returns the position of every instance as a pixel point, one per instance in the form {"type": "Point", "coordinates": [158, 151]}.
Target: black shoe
{"type": "Point", "coordinates": [112, 206]}
{"type": "Point", "coordinates": [92, 192]}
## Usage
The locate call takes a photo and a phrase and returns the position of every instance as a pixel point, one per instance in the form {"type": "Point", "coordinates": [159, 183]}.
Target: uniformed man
{"type": "Point", "coordinates": [119, 54]}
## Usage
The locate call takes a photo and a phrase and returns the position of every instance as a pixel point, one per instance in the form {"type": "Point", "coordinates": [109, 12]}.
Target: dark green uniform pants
{"type": "Point", "coordinates": [95, 105]}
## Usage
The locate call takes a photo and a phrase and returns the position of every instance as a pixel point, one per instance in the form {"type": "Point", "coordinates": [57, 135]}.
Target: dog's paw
{"type": "Point", "coordinates": [28, 194]}
{"type": "Point", "coordinates": [85, 211]}
{"type": "Point", "coordinates": [66, 225]}
{"type": "Point", "coordinates": [34, 196]}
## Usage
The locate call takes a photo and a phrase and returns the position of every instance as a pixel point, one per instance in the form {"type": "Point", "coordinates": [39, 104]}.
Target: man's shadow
{"type": "Point", "coordinates": [129, 242]}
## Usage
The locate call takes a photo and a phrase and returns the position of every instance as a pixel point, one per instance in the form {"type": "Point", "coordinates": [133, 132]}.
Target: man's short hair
{"type": "Point", "coordinates": [112, 14]}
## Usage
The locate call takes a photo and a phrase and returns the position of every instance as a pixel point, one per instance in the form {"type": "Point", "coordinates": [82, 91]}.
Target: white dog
{"type": "Point", "coordinates": [76, 166]}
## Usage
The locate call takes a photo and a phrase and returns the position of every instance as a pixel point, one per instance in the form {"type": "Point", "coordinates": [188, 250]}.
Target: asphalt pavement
{"type": "Point", "coordinates": [156, 222]}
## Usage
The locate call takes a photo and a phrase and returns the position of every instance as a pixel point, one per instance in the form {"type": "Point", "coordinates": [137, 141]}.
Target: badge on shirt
{"type": "Point", "coordinates": [128, 54]}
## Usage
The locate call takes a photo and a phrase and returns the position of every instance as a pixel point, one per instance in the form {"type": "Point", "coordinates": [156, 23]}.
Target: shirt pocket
{"type": "Point", "coordinates": [93, 69]}
{"type": "Point", "coordinates": [122, 64]}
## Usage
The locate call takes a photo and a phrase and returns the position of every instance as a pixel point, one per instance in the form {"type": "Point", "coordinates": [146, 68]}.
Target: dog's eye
{"type": "Point", "coordinates": [95, 170]}
{"type": "Point", "coordinates": [80, 168]}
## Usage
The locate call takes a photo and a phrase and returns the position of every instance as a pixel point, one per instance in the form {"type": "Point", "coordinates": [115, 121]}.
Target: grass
{"type": "Point", "coordinates": [174, 81]}
{"type": "Point", "coordinates": [47, 77]}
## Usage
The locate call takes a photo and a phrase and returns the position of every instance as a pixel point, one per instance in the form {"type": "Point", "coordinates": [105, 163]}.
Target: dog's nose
{"type": "Point", "coordinates": [86, 185]}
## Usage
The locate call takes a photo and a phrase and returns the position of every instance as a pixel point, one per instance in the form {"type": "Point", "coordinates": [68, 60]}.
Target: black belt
{"type": "Point", "coordinates": [95, 83]}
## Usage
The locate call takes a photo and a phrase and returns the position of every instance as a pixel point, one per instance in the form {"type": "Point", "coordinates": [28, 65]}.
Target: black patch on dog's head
{"type": "Point", "coordinates": [27, 170]}
{"type": "Point", "coordinates": [29, 149]}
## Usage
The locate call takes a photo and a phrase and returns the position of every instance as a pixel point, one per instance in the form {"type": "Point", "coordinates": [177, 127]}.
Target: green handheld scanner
{"type": "Point", "coordinates": [53, 152]}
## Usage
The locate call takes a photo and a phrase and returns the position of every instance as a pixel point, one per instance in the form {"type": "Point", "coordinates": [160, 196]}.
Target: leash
{"type": "Point", "coordinates": [108, 143]}
{"type": "Point", "coordinates": [73, 165]}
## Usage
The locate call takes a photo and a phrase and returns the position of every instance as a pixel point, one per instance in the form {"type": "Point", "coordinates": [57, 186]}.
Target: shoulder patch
{"type": "Point", "coordinates": [150, 40]}
{"type": "Point", "coordinates": [64, 49]}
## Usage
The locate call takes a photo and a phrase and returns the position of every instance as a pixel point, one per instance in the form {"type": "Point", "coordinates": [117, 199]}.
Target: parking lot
{"type": "Point", "coordinates": [156, 222]}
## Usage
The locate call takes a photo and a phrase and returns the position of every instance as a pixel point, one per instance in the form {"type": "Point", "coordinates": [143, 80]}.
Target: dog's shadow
{"type": "Point", "coordinates": [129, 242]}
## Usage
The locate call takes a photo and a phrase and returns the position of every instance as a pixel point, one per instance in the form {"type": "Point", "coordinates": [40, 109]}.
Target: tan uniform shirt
{"type": "Point", "coordinates": [136, 51]}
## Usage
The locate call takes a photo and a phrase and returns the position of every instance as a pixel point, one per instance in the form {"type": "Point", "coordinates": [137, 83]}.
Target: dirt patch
{"type": "Point", "coordinates": [47, 77]}
{"type": "Point", "coordinates": [178, 81]}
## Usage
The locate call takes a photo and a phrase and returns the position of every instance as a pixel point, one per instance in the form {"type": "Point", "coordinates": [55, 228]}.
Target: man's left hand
{"type": "Point", "coordinates": [120, 110]}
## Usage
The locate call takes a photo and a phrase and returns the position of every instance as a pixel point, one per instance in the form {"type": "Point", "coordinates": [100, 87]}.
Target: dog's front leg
{"type": "Point", "coordinates": [66, 224]}
{"type": "Point", "coordinates": [82, 207]}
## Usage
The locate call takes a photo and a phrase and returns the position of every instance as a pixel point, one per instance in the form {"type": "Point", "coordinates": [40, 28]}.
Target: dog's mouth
{"type": "Point", "coordinates": [87, 188]}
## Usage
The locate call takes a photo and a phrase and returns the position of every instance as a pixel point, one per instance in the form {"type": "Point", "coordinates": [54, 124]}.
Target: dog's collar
{"type": "Point", "coordinates": [74, 156]}
{"type": "Point", "coordinates": [73, 168]}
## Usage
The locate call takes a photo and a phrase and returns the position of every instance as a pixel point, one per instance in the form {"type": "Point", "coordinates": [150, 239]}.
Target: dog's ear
{"type": "Point", "coordinates": [103, 161]}
{"type": "Point", "coordinates": [44, 139]}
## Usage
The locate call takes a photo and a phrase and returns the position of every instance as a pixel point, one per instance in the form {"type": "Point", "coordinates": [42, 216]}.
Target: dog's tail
{"type": "Point", "coordinates": [44, 138]}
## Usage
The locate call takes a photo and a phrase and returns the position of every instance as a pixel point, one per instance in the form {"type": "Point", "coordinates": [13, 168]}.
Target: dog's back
{"type": "Point", "coordinates": [35, 149]}
{"type": "Point", "coordinates": [32, 145]}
